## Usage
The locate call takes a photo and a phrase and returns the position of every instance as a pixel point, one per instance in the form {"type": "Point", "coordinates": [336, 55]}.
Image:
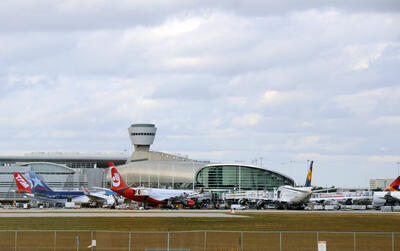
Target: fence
{"type": "Point", "coordinates": [20, 240]}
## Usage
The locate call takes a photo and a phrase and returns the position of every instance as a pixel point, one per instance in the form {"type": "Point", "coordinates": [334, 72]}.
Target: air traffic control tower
{"type": "Point", "coordinates": [142, 136]}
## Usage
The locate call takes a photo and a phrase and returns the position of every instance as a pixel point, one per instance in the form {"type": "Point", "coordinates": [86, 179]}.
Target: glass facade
{"type": "Point", "coordinates": [239, 177]}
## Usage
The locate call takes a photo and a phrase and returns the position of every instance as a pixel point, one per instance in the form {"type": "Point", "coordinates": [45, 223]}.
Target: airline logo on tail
{"type": "Point", "coordinates": [309, 175]}
{"type": "Point", "coordinates": [22, 184]}
{"type": "Point", "coordinates": [38, 184]}
{"type": "Point", "coordinates": [116, 179]}
{"type": "Point", "coordinates": [395, 186]}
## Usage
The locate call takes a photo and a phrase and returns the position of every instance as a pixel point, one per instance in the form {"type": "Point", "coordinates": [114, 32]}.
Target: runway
{"type": "Point", "coordinates": [19, 213]}
{"type": "Point", "coordinates": [114, 213]}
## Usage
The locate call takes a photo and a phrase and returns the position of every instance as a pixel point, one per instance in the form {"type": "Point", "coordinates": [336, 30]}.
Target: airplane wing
{"type": "Point", "coordinates": [167, 194]}
{"type": "Point", "coordinates": [96, 198]}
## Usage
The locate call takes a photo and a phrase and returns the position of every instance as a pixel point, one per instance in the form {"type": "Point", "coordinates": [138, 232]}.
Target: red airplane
{"type": "Point", "coordinates": [153, 196]}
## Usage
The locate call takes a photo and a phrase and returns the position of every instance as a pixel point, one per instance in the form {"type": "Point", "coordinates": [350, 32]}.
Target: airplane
{"type": "Point", "coordinates": [37, 189]}
{"type": "Point", "coordinates": [295, 197]}
{"type": "Point", "coordinates": [151, 196]}
{"type": "Point", "coordinates": [104, 197]}
{"type": "Point", "coordinates": [345, 198]}
{"type": "Point", "coordinates": [389, 197]}
{"type": "Point", "coordinates": [289, 197]}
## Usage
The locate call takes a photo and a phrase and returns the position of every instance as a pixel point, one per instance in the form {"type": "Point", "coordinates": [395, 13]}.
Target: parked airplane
{"type": "Point", "coordinates": [37, 189]}
{"type": "Point", "coordinates": [104, 197]}
{"type": "Point", "coordinates": [389, 197]}
{"type": "Point", "coordinates": [345, 198]}
{"type": "Point", "coordinates": [295, 197]}
{"type": "Point", "coordinates": [291, 197]}
{"type": "Point", "coordinates": [152, 196]}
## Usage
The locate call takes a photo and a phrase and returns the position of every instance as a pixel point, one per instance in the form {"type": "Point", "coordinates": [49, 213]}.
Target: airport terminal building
{"type": "Point", "coordinates": [147, 168]}
{"type": "Point", "coordinates": [143, 168]}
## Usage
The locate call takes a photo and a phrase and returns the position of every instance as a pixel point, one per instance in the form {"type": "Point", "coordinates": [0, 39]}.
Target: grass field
{"type": "Point", "coordinates": [205, 241]}
{"type": "Point", "coordinates": [255, 222]}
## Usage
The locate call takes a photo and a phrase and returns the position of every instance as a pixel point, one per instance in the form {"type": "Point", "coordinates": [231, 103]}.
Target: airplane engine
{"type": "Point", "coordinates": [190, 203]}
{"type": "Point", "coordinates": [260, 204]}
{"type": "Point", "coordinates": [242, 202]}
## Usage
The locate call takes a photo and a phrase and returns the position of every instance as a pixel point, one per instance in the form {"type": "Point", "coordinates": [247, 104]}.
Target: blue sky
{"type": "Point", "coordinates": [227, 81]}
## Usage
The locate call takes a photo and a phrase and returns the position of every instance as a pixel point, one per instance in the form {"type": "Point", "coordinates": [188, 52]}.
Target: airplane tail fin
{"type": "Point", "coordinates": [395, 186]}
{"type": "Point", "coordinates": [85, 190]}
{"type": "Point", "coordinates": [22, 184]}
{"type": "Point", "coordinates": [37, 184]}
{"type": "Point", "coordinates": [117, 181]}
{"type": "Point", "coordinates": [309, 175]}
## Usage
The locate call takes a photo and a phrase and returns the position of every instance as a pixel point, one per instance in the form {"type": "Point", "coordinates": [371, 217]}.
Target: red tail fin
{"type": "Point", "coordinates": [117, 181]}
{"type": "Point", "coordinates": [395, 186]}
{"type": "Point", "coordinates": [22, 184]}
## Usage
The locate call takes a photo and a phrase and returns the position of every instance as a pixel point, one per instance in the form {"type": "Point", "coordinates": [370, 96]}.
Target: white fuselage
{"type": "Point", "coordinates": [294, 195]}
{"type": "Point", "coordinates": [167, 194]}
{"type": "Point", "coordinates": [380, 198]}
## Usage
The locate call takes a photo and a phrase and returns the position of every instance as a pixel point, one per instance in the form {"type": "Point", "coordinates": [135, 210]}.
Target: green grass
{"type": "Point", "coordinates": [255, 222]}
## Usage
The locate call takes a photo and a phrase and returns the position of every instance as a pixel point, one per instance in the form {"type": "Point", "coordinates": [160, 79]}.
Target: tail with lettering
{"type": "Point", "coordinates": [22, 184]}
{"type": "Point", "coordinates": [309, 175]}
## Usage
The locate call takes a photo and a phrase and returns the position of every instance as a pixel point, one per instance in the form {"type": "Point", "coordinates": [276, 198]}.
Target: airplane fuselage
{"type": "Point", "coordinates": [386, 197]}
{"type": "Point", "coordinates": [294, 195]}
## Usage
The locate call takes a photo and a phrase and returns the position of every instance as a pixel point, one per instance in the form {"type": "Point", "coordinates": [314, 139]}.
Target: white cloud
{"type": "Point", "coordinates": [247, 120]}
{"type": "Point", "coordinates": [384, 158]}
{"type": "Point", "coordinates": [317, 77]}
{"type": "Point", "coordinates": [364, 55]}
{"type": "Point", "coordinates": [387, 121]}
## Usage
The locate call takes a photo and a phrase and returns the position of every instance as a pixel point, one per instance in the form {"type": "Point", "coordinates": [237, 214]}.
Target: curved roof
{"type": "Point", "coordinates": [46, 167]}
{"type": "Point", "coordinates": [245, 165]}
{"type": "Point", "coordinates": [142, 125]}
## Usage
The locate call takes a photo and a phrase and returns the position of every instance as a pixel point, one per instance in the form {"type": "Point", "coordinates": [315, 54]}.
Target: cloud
{"type": "Point", "coordinates": [387, 121]}
{"type": "Point", "coordinates": [247, 120]}
{"type": "Point", "coordinates": [312, 80]}
{"type": "Point", "coordinates": [384, 158]}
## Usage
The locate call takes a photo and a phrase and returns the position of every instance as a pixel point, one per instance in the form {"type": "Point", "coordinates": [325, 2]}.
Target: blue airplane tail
{"type": "Point", "coordinates": [37, 184]}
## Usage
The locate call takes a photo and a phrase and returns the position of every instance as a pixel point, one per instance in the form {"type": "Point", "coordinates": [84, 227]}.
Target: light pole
{"type": "Point", "coordinates": [240, 161]}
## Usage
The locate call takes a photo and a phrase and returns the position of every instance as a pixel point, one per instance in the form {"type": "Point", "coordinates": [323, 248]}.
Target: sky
{"type": "Point", "coordinates": [271, 83]}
